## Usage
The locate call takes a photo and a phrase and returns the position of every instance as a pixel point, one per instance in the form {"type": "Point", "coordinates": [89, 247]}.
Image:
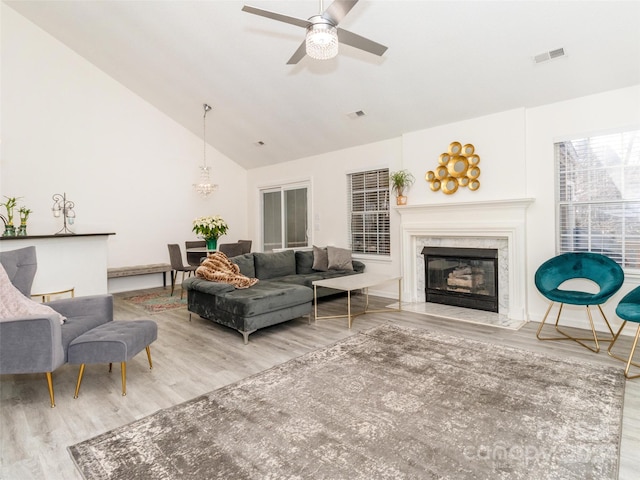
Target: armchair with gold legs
{"type": "Point", "coordinates": [628, 310]}
{"type": "Point", "coordinates": [592, 267]}
{"type": "Point", "coordinates": [36, 342]}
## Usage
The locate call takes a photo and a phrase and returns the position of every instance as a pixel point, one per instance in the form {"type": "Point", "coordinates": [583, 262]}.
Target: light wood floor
{"type": "Point", "coordinates": [194, 357]}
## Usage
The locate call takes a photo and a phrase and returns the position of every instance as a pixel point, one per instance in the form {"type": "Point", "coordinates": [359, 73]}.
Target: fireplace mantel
{"type": "Point", "coordinates": [499, 219]}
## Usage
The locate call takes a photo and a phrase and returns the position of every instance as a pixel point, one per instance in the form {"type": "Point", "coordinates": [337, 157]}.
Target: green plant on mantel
{"type": "Point", "coordinates": [401, 180]}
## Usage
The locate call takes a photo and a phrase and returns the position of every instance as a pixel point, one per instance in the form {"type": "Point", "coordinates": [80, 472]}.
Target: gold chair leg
{"type": "Point", "coordinates": [80, 373]}
{"type": "Point", "coordinates": [149, 357]}
{"type": "Point", "coordinates": [628, 361]}
{"type": "Point", "coordinates": [50, 386]}
{"type": "Point", "coordinates": [578, 340]}
{"type": "Point", "coordinates": [123, 373]}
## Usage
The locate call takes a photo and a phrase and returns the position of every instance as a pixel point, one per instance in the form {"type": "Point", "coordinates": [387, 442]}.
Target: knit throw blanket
{"type": "Point", "coordinates": [218, 268]}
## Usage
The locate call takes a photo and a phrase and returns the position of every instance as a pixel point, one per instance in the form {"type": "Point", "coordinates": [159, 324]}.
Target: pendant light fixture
{"type": "Point", "coordinates": [204, 187]}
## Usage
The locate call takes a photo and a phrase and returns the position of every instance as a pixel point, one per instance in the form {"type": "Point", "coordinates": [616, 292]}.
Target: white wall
{"type": "Point", "coordinates": [498, 139]}
{"type": "Point", "coordinates": [68, 127]}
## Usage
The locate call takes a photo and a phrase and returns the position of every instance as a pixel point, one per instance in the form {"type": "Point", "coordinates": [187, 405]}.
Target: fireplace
{"type": "Point", "coordinates": [462, 277]}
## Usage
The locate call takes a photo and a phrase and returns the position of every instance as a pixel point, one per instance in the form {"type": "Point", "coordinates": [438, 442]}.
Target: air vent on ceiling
{"type": "Point", "coordinates": [357, 114]}
{"type": "Point", "coordinates": [550, 55]}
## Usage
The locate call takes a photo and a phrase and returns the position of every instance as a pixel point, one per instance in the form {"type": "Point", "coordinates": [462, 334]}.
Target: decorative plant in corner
{"type": "Point", "coordinates": [210, 229]}
{"type": "Point", "coordinates": [401, 180]}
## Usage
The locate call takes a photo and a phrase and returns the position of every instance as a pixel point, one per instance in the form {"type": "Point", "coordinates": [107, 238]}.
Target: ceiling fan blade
{"type": "Point", "coordinates": [350, 38]}
{"type": "Point", "coordinates": [277, 16]}
{"type": "Point", "coordinates": [299, 54]}
{"type": "Point", "coordinates": [338, 10]}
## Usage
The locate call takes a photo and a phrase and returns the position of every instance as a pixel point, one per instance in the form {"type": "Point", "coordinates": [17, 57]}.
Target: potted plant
{"type": "Point", "coordinates": [24, 216]}
{"type": "Point", "coordinates": [401, 180]}
{"type": "Point", "coordinates": [210, 229]}
{"type": "Point", "coordinates": [10, 204]}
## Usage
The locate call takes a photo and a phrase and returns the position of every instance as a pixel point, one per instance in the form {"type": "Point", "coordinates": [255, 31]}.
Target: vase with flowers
{"type": "Point", "coordinates": [210, 229]}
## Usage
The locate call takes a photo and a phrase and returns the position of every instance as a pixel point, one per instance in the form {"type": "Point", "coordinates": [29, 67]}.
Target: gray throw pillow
{"type": "Point", "coordinates": [274, 264]}
{"type": "Point", "coordinates": [245, 263]}
{"type": "Point", "coordinates": [320, 259]}
{"type": "Point", "coordinates": [304, 262]}
{"type": "Point", "coordinates": [339, 259]}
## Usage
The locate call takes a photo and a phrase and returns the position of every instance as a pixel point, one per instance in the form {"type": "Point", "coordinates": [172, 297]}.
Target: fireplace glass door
{"type": "Point", "coordinates": [463, 277]}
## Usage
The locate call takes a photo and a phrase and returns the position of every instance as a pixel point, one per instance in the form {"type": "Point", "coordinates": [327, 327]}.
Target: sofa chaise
{"type": "Point", "coordinates": [284, 290]}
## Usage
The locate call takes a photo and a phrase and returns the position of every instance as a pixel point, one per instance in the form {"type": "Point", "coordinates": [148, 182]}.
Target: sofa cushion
{"type": "Point", "coordinates": [245, 263]}
{"type": "Point", "coordinates": [304, 262]}
{"type": "Point", "coordinates": [320, 259]}
{"type": "Point", "coordinates": [263, 297]}
{"type": "Point", "coordinates": [274, 264]}
{"type": "Point", "coordinates": [339, 258]}
{"type": "Point", "coordinates": [205, 286]}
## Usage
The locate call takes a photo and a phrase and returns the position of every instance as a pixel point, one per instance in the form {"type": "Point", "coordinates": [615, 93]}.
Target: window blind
{"type": "Point", "coordinates": [368, 194]}
{"type": "Point", "coordinates": [598, 196]}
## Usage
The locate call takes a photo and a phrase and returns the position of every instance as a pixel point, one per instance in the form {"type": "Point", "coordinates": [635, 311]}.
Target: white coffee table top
{"type": "Point", "coordinates": [355, 282]}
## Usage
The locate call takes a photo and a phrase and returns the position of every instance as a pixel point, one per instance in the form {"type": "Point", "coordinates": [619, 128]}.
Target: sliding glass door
{"type": "Point", "coordinates": [285, 214]}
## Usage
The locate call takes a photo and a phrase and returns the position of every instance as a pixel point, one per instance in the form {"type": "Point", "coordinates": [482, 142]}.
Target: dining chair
{"type": "Point", "coordinates": [193, 258]}
{"type": "Point", "coordinates": [177, 265]}
{"type": "Point", "coordinates": [595, 267]}
{"type": "Point", "coordinates": [246, 245]}
{"type": "Point", "coordinates": [230, 249]}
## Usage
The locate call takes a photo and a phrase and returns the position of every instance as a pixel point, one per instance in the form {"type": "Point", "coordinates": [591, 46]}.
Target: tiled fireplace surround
{"type": "Point", "coordinates": [499, 224]}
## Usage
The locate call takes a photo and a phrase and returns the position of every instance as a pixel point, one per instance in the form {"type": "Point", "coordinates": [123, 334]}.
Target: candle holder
{"type": "Point", "coordinates": [63, 207]}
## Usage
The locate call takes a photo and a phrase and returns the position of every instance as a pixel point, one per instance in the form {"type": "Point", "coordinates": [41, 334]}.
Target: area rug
{"type": "Point", "coordinates": [158, 301]}
{"type": "Point", "coordinates": [389, 403]}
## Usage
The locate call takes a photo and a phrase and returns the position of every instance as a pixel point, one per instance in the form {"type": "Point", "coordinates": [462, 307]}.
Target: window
{"type": "Point", "coordinates": [368, 194]}
{"type": "Point", "coordinates": [284, 217]}
{"type": "Point", "coordinates": [598, 196]}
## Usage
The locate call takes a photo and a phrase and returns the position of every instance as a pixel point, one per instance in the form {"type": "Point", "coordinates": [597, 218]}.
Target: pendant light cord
{"type": "Point", "coordinates": [204, 134]}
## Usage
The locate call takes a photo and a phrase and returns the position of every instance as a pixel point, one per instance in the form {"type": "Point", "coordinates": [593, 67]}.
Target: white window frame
{"type": "Point", "coordinates": [587, 220]}
{"type": "Point", "coordinates": [283, 188]}
{"type": "Point", "coordinates": [363, 241]}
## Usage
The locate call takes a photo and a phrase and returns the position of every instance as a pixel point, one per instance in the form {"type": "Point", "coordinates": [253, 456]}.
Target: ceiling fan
{"type": "Point", "coordinates": [323, 33]}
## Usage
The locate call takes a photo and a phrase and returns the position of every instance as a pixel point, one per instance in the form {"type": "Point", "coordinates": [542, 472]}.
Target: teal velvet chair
{"type": "Point", "coordinates": [628, 310]}
{"type": "Point", "coordinates": [595, 267]}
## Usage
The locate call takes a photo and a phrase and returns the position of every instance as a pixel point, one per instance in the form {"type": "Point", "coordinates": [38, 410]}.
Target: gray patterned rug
{"type": "Point", "coordinates": [390, 403]}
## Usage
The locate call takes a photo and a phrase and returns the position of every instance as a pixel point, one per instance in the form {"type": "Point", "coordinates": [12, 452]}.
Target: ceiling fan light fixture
{"type": "Point", "coordinates": [322, 41]}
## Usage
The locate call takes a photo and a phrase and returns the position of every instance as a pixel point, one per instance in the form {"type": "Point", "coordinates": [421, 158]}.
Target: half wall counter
{"type": "Point", "coordinates": [66, 261]}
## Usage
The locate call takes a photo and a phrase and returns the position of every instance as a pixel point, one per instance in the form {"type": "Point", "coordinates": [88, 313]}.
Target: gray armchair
{"type": "Point", "coordinates": [38, 343]}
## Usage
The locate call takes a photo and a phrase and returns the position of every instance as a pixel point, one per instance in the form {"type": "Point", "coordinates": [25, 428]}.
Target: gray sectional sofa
{"type": "Point", "coordinates": [284, 291]}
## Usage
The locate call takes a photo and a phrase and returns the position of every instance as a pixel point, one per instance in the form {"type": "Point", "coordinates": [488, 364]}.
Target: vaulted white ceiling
{"type": "Point", "coordinates": [447, 61]}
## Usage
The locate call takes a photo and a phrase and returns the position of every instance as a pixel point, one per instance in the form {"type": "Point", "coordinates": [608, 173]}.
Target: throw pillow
{"type": "Point", "coordinates": [15, 305]}
{"type": "Point", "coordinates": [339, 258]}
{"type": "Point", "coordinates": [320, 259]}
{"type": "Point", "coordinates": [274, 264]}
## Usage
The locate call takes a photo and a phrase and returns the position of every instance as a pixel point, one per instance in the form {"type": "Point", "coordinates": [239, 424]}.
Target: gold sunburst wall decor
{"type": "Point", "coordinates": [458, 167]}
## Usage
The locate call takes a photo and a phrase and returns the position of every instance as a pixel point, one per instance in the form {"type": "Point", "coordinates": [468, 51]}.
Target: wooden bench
{"type": "Point", "coordinates": [141, 270]}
